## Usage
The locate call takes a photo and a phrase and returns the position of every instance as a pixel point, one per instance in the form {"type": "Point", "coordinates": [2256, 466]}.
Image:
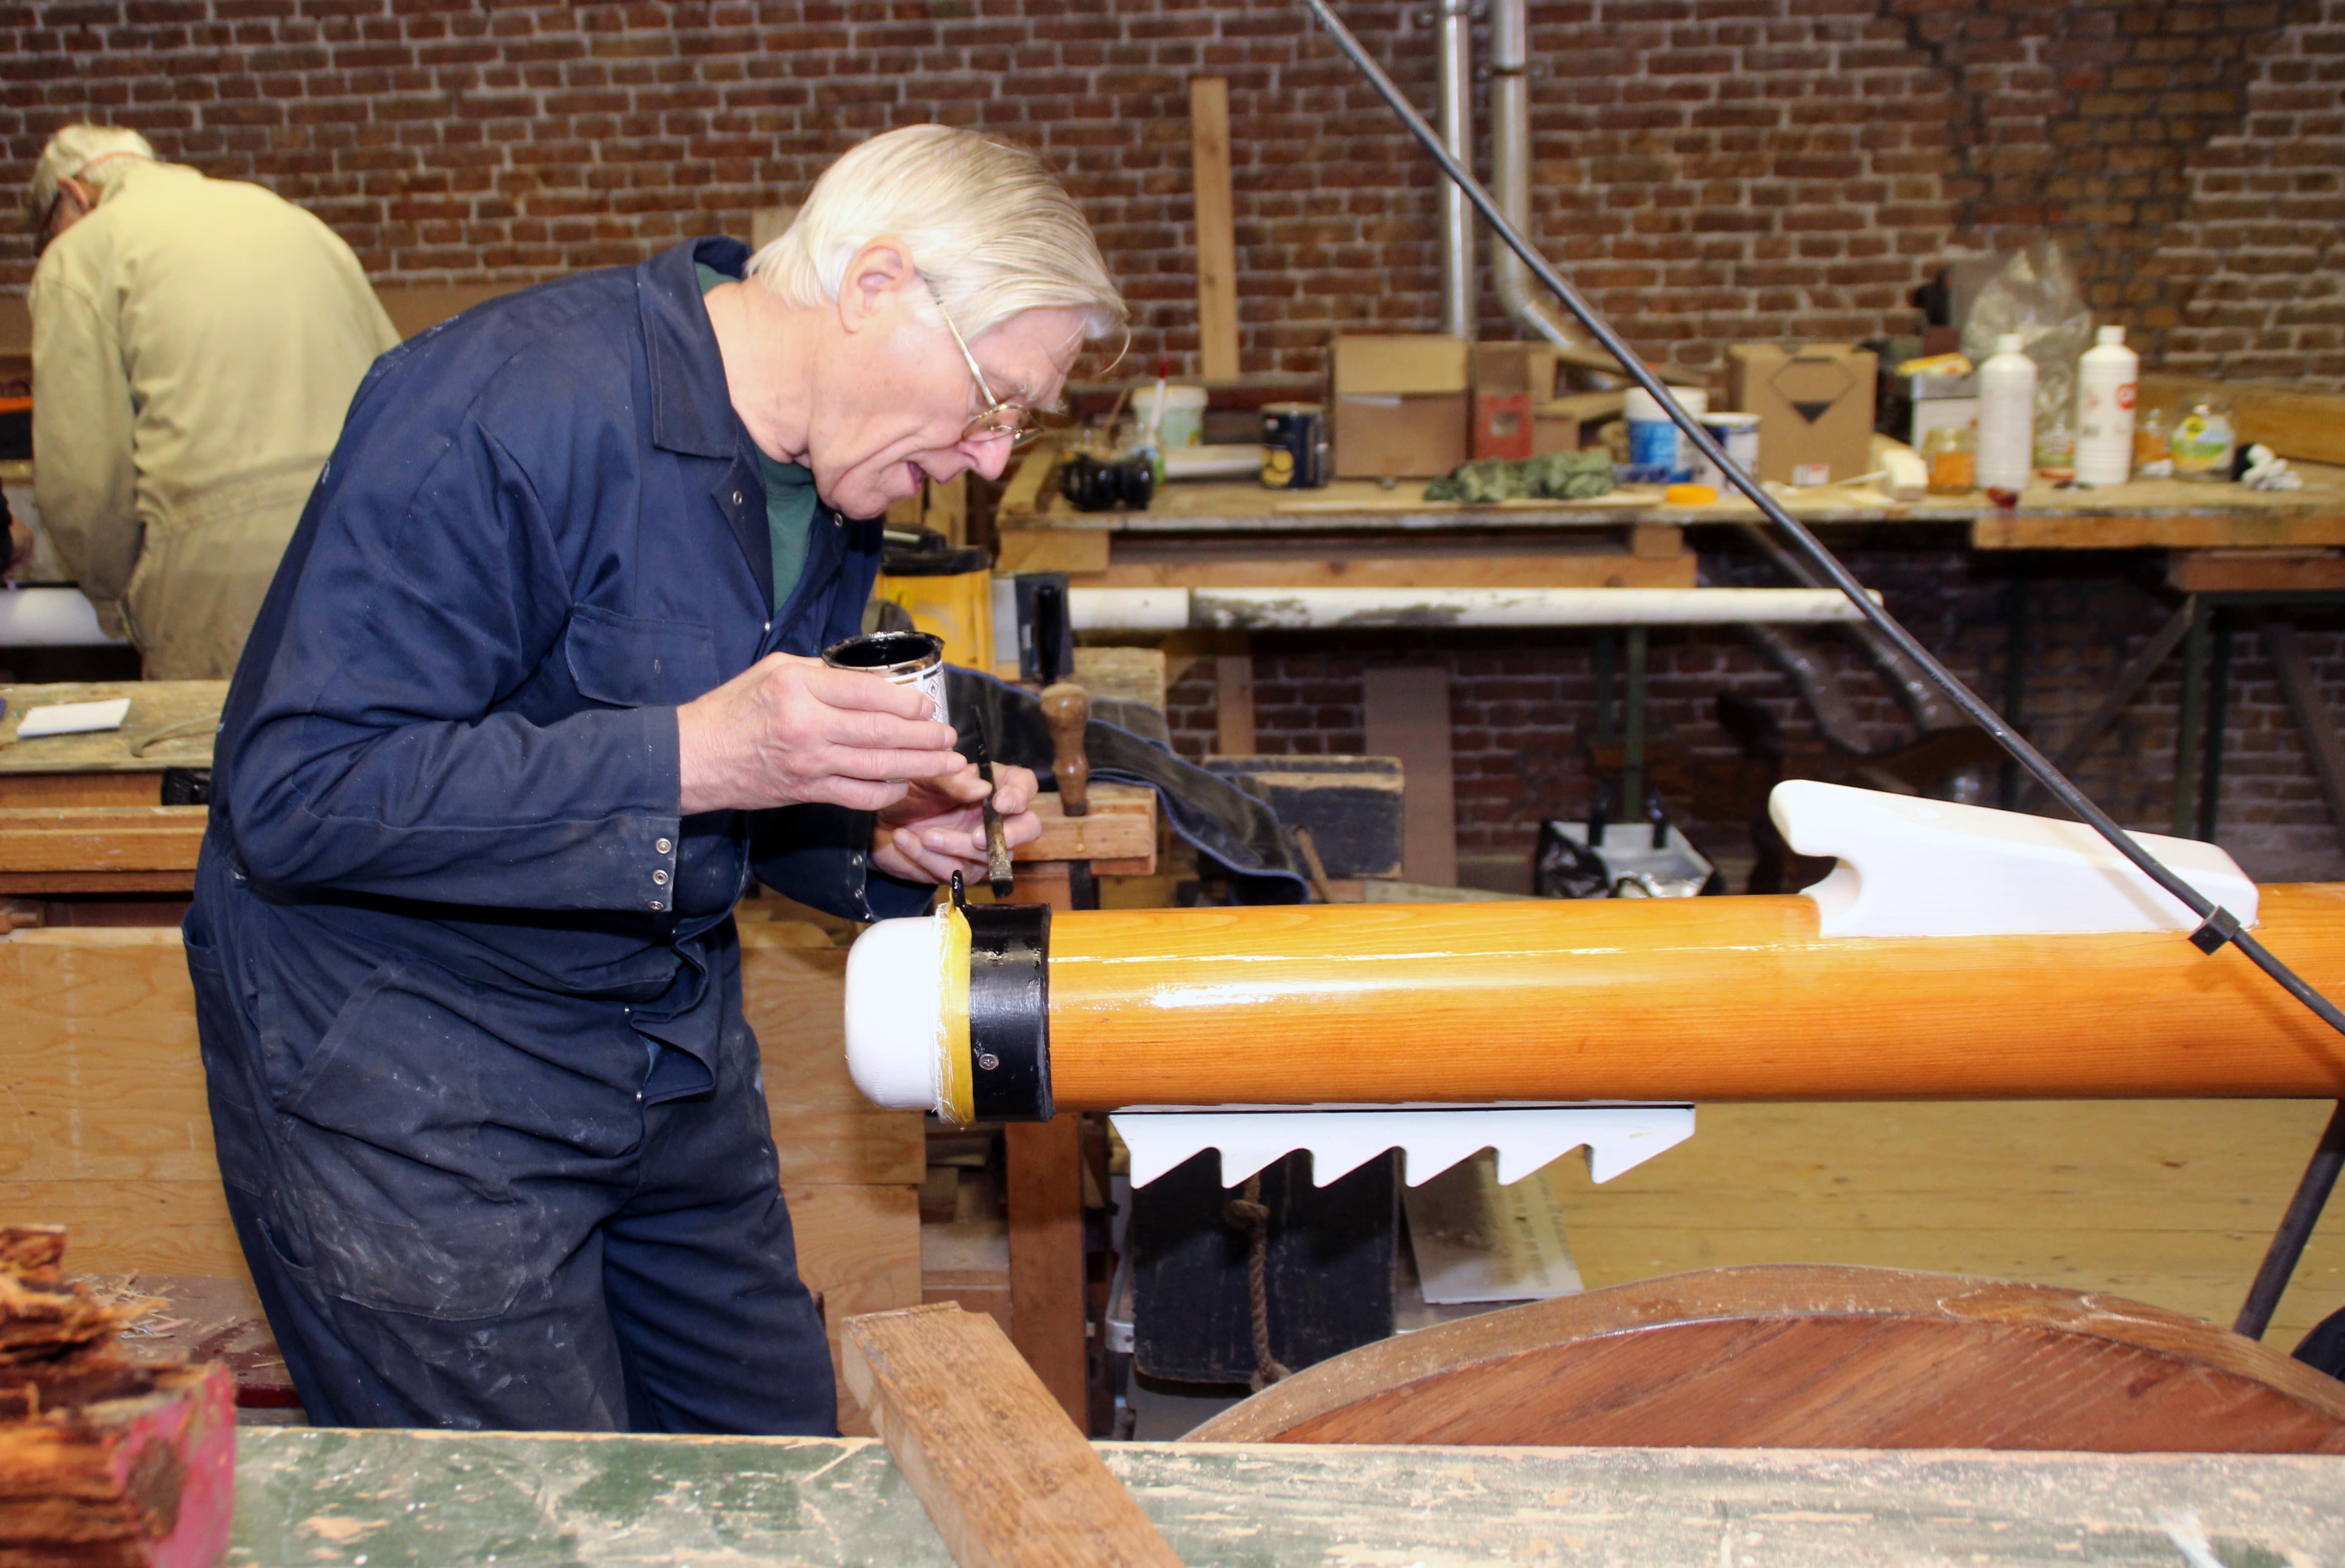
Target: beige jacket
{"type": "Point", "coordinates": [195, 344]}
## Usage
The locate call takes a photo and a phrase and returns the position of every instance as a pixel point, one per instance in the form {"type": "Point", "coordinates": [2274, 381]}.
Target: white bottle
{"type": "Point", "coordinates": [2106, 381]}
{"type": "Point", "coordinates": [2006, 422]}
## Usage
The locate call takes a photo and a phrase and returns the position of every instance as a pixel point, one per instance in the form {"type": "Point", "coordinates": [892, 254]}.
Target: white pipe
{"type": "Point", "coordinates": [1511, 175]}
{"type": "Point", "coordinates": [1455, 73]}
{"type": "Point", "coordinates": [1321, 609]}
{"type": "Point", "coordinates": [49, 618]}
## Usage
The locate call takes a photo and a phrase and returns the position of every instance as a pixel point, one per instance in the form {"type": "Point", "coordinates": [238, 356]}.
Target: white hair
{"type": "Point", "coordinates": [986, 224]}
{"type": "Point", "coordinates": [74, 149]}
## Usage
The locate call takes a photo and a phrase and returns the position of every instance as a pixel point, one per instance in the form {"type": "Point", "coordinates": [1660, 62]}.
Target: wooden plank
{"type": "Point", "coordinates": [2256, 572]}
{"type": "Point", "coordinates": [1007, 1480]}
{"type": "Point", "coordinates": [1026, 493]}
{"type": "Point", "coordinates": [860, 1247]}
{"type": "Point", "coordinates": [1073, 550]}
{"type": "Point", "coordinates": [1046, 1255]}
{"type": "Point", "coordinates": [2300, 423]}
{"type": "Point", "coordinates": [2211, 530]}
{"type": "Point", "coordinates": [539, 1500]}
{"type": "Point", "coordinates": [1580, 569]}
{"type": "Point", "coordinates": [1657, 542]}
{"type": "Point", "coordinates": [794, 997]}
{"type": "Point", "coordinates": [1118, 834]}
{"type": "Point", "coordinates": [2316, 727]}
{"type": "Point", "coordinates": [1408, 717]}
{"type": "Point", "coordinates": [1233, 703]}
{"type": "Point", "coordinates": [101, 837]}
{"type": "Point", "coordinates": [170, 726]}
{"type": "Point", "coordinates": [119, 789]}
{"type": "Point", "coordinates": [1217, 249]}
{"type": "Point", "coordinates": [51, 883]}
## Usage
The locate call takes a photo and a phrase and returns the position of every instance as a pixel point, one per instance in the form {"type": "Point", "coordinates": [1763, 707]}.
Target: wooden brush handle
{"type": "Point", "coordinates": [1067, 709]}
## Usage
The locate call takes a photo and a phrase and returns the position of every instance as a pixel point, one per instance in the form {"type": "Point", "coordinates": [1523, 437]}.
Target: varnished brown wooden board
{"type": "Point", "coordinates": [2257, 571]}
{"type": "Point", "coordinates": [1120, 828]}
{"type": "Point", "coordinates": [1808, 1356]}
{"type": "Point", "coordinates": [1006, 1478]}
{"type": "Point", "coordinates": [119, 789]}
{"type": "Point", "coordinates": [101, 838]}
{"type": "Point", "coordinates": [2296, 422]}
{"type": "Point", "coordinates": [169, 725]}
{"type": "Point", "coordinates": [313, 1498]}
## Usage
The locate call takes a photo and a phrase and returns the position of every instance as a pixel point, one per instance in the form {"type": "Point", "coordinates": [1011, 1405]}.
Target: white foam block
{"type": "Point", "coordinates": [1914, 867]}
{"type": "Point", "coordinates": [73, 718]}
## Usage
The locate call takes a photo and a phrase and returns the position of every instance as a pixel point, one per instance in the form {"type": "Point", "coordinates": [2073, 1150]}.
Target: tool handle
{"type": "Point", "coordinates": [1066, 710]}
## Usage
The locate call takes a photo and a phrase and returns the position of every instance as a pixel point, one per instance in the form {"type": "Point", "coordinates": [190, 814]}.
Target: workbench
{"type": "Point", "coordinates": [387, 1499]}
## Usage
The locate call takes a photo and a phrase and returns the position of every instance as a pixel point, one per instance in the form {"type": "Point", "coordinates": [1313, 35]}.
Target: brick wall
{"type": "Point", "coordinates": [1729, 169]}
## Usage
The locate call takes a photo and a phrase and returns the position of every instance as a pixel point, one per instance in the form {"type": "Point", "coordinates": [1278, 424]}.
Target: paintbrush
{"type": "Point", "coordinates": [996, 847]}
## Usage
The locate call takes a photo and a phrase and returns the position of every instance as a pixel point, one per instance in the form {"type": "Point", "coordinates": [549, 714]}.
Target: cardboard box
{"type": "Point", "coordinates": [1510, 381]}
{"type": "Point", "coordinates": [1401, 406]}
{"type": "Point", "coordinates": [1814, 405]}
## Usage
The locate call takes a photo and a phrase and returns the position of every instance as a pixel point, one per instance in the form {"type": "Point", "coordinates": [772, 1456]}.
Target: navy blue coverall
{"type": "Point", "coordinates": [488, 1117]}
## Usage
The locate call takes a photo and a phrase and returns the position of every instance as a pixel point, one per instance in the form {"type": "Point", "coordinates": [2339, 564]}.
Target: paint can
{"type": "Point", "coordinates": [1293, 446]}
{"type": "Point", "coordinates": [1738, 435]}
{"type": "Point", "coordinates": [898, 658]}
{"type": "Point", "coordinates": [1659, 452]}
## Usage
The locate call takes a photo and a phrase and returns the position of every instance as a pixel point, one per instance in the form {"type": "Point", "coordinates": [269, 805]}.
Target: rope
{"type": "Point", "coordinates": [1247, 1212]}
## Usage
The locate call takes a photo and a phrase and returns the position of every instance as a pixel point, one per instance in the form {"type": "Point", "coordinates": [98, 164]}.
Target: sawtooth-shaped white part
{"type": "Point", "coordinates": [1431, 1138]}
{"type": "Point", "coordinates": [1915, 867]}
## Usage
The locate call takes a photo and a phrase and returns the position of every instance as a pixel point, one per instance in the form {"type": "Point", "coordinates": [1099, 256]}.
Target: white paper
{"type": "Point", "coordinates": [1476, 1240]}
{"type": "Point", "coordinates": [73, 718]}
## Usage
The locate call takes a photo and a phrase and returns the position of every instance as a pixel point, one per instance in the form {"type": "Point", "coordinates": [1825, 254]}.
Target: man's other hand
{"type": "Point", "coordinates": [791, 729]}
{"type": "Point", "coordinates": [938, 827]}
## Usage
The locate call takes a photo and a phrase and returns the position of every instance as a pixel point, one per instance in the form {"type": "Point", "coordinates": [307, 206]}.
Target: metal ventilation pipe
{"type": "Point", "coordinates": [1454, 26]}
{"type": "Point", "coordinates": [1510, 174]}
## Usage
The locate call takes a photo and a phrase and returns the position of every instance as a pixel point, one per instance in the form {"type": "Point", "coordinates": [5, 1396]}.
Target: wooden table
{"type": "Point", "coordinates": [388, 1499]}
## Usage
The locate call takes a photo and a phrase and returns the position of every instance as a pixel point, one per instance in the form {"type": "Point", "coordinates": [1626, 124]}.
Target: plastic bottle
{"type": "Point", "coordinates": [2106, 381]}
{"type": "Point", "coordinates": [2006, 422]}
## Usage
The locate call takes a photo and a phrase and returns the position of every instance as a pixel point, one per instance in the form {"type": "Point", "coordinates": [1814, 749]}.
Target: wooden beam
{"type": "Point", "coordinates": [1560, 569]}
{"type": "Point", "coordinates": [1117, 835]}
{"type": "Point", "coordinates": [1007, 1480]}
{"type": "Point", "coordinates": [2241, 527]}
{"type": "Point", "coordinates": [1234, 705]}
{"type": "Point", "coordinates": [1217, 246]}
{"type": "Point", "coordinates": [2315, 725]}
{"type": "Point", "coordinates": [2256, 572]}
{"type": "Point", "coordinates": [107, 838]}
{"type": "Point", "coordinates": [1408, 717]}
{"type": "Point", "coordinates": [1051, 549]}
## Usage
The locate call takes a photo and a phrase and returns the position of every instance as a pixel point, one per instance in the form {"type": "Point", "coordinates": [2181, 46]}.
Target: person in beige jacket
{"type": "Point", "coordinates": [195, 344]}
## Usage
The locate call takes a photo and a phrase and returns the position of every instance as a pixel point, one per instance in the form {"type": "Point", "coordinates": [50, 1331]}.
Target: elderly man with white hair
{"type": "Point", "coordinates": [194, 342]}
{"type": "Point", "coordinates": [533, 697]}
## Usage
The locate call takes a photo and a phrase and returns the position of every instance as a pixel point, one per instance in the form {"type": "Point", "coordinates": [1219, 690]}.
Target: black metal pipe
{"type": "Point", "coordinates": [2295, 1229]}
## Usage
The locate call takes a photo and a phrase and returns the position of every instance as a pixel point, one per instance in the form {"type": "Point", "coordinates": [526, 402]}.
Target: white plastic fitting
{"type": "Point", "coordinates": [895, 1011]}
{"type": "Point", "coordinates": [1915, 867]}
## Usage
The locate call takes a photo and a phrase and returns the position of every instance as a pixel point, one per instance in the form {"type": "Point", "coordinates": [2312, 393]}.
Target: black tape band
{"type": "Point", "coordinates": [1010, 1011]}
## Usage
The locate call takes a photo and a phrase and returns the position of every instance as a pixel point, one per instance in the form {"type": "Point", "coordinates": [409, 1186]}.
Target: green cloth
{"type": "Point", "coordinates": [790, 495]}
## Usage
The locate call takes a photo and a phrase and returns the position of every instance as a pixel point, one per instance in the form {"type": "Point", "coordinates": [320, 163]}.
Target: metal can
{"type": "Point", "coordinates": [1293, 446]}
{"type": "Point", "coordinates": [1738, 434]}
{"type": "Point", "coordinates": [898, 658]}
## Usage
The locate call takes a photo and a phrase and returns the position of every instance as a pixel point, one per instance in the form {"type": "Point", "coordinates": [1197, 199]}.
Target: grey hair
{"type": "Point", "coordinates": [73, 150]}
{"type": "Point", "coordinates": [985, 223]}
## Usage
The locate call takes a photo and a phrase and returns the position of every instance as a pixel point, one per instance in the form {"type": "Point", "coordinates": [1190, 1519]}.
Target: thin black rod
{"type": "Point", "coordinates": [2295, 1229]}
{"type": "Point", "coordinates": [1973, 706]}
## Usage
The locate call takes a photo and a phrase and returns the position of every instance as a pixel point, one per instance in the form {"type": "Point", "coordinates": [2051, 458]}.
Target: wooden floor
{"type": "Point", "coordinates": [2167, 1202]}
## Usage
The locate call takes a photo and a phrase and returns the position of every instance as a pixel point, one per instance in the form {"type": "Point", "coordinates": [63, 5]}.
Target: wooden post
{"type": "Point", "coordinates": [1408, 717]}
{"type": "Point", "coordinates": [1234, 705]}
{"type": "Point", "coordinates": [1045, 1200]}
{"type": "Point", "coordinates": [1003, 1476]}
{"type": "Point", "coordinates": [1217, 246]}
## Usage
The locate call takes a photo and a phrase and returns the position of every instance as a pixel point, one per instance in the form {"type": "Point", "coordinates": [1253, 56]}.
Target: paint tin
{"type": "Point", "coordinates": [1659, 452]}
{"type": "Point", "coordinates": [1738, 436]}
{"type": "Point", "coordinates": [1293, 446]}
{"type": "Point", "coordinates": [898, 658]}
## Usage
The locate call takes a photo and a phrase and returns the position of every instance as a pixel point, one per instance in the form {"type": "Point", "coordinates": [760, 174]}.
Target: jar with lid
{"type": "Point", "coordinates": [2203, 441]}
{"type": "Point", "coordinates": [2151, 433]}
{"type": "Point", "coordinates": [1952, 453]}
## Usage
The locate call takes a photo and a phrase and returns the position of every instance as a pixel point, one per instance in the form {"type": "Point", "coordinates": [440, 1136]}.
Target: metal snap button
{"type": "Point", "coordinates": [663, 845]}
{"type": "Point", "coordinates": [659, 878]}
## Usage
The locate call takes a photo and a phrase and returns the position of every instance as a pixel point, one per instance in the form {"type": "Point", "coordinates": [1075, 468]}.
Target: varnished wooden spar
{"type": "Point", "coordinates": [1702, 1000]}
